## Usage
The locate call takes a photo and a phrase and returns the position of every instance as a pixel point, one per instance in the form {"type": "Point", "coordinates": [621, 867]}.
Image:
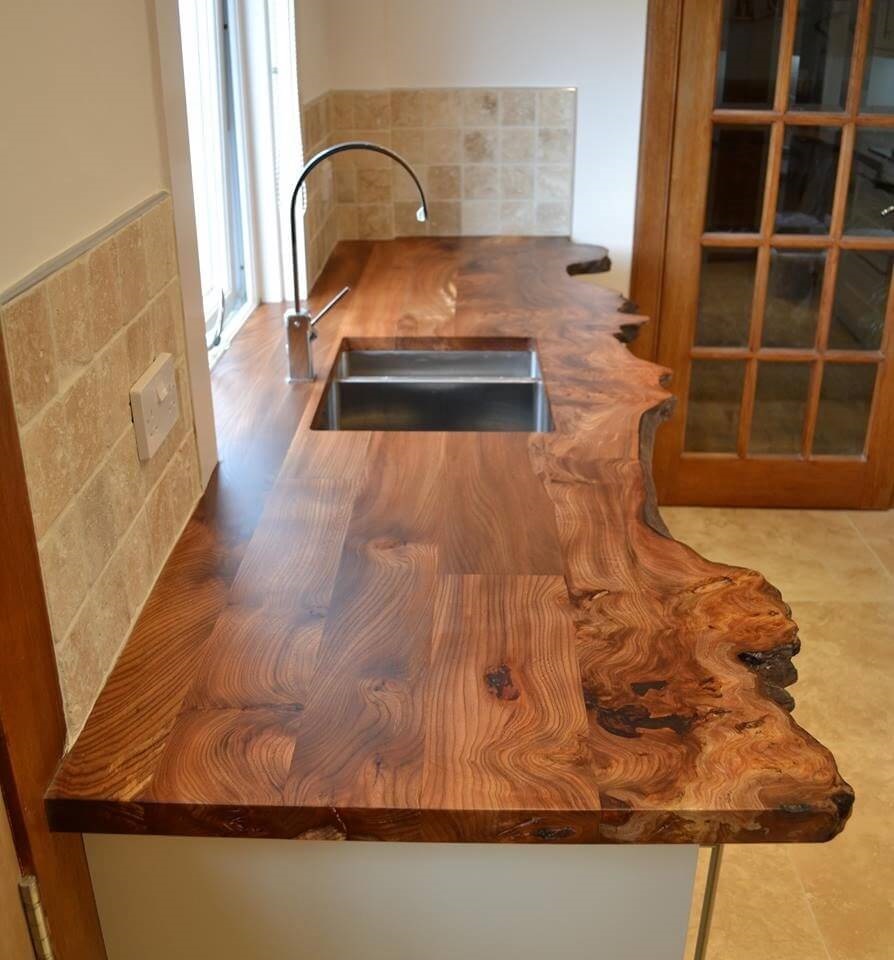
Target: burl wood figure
{"type": "Point", "coordinates": [456, 636]}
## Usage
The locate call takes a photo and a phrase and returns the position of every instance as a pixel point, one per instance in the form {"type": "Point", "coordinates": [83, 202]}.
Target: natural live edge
{"type": "Point", "coordinates": [461, 637]}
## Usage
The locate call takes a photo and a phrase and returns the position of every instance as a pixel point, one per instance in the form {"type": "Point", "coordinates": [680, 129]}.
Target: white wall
{"type": "Point", "coordinates": [81, 138]}
{"type": "Point", "coordinates": [594, 45]}
{"type": "Point", "coordinates": [315, 67]}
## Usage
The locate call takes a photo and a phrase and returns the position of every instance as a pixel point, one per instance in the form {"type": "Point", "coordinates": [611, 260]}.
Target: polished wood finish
{"type": "Point", "coordinates": [656, 143]}
{"type": "Point", "coordinates": [32, 724]}
{"type": "Point", "coordinates": [458, 637]}
{"type": "Point", "coordinates": [15, 941]}
{"type": "Point", "coordinates": [678, 112]}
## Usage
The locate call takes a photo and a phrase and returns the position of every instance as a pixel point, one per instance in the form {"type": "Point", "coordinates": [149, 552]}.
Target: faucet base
{"type": "Point", "coordinates": [298, 350]}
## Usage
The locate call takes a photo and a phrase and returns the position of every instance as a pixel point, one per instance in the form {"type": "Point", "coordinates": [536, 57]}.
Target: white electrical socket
{"type": "Point", "coordinates": [155, 405]}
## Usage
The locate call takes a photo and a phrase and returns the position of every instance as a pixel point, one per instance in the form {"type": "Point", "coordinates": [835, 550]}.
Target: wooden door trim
{"type": "Point", "coordinates": [664, 281]}
{"type": "Point", "coordinates": [32, 722]}
{"type": "Point", "coordinates": [658, 120]}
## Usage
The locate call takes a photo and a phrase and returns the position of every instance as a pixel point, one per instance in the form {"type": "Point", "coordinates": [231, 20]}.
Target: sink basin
{"type": "Point", "coordinates": [436, 385]}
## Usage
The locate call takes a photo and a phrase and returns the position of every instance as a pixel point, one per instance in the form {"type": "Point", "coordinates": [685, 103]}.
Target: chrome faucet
{"type": "Point", "coordinates": [299, 322]}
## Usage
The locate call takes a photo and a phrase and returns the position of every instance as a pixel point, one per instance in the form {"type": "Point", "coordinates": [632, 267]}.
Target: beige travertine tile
{"type": "Point", "coordinates": [367, 159]}
{"type": "Point", "coordinates": [168, 504]}
{"type": "Point", "coordinates": [48, 468]}
{"type": "Point", "coordinates": [442, 108]}
{"type": "Point", "coordinates": [80, 672]}
{"type": "Point", "coordinates": [374, 222]}
{"type": "Point", "coordinates": [481, 107]}
{"type": "Point", "coordinates": [347, 223]}
{"type": "Point", "coordinates": [136, 558]}
{"type": "Point", "coordinates": [125, 480]}
{"type": "Point", "coordinates": [138, 339]}
{"type": "Point", "coordinates": [808, 554]}
{"type": "Point", "coordinates": [480, 146]}
{"type": "Point", "coordinates": [65, 570]}
{"type": "Point", "coordinates": [409, 143]}
{"type": "Point", "coordinates": [480, 217]}
{"type": "Point", "coordinates": [343, 110]}
{"type": "Point", "coordinates": [554, 182]}
{"type": "Point", "coordinates": [406, 108]}
{"type": "Point", "coordinates": [86, 484]}
{"type": "Point", "coordinates": [405, 222]}
{"type": "Point", "coordinates": [113, 413]}
{"type": "Point", "coordinates": [555, 108]}
{"type": "Point", "coordinates": [517, 145]}
{"type": "Point", "coordinates": [518, 108]}
{"type": "Point", "coordinates": [30, 354]}
{"type": "Point", "coordinates": [402, 186]}
{"type": "Point", "coordinates": [481, 182]}
{"type": "Point", "coordinates": [132, 271]}
{"type": "Point", "coordinates": [553, 218]}
{"type": "Point", "coordinates": [374, 186]}
{"type": "Point", "coordinates": [554, 145]}
{"type": "Point", "coordinates": [876, 527]}
{"type": "Point", "coordinates": [516, 181]}
{"type": "Point", "coordinates": [516, 217]}
{"type": "Point", "coordinates": [760, 912]}
{"type": "Point", "coordinates": [105, 293]}
{"type": "Point", "coordinates": [442, 145]}
{"type": "Point", "coordinates": [849, 882]}
{"type": "Point", "coordinates": [160, 248]}
{"type": "Point", "coordinates": [345, 170]}
{"type": "Point", "coordinates": [445, 218]}
{"type": "Point", "coordinates": [68, 295]}
{"type": "Point", "coordinates": [85, 432]}
{"type": "Point", "coordinates": [166, 321]}
{"type": "Point", "coordinates": [98, 536]}
{"type": "Point", "coordinates": [372, 110]}
{"type": "Point", "coordinates": [444, 182]}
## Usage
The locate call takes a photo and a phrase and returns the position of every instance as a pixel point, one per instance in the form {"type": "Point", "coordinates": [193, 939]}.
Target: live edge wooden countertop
{"type": "Point", "coordinates": [457, 636]}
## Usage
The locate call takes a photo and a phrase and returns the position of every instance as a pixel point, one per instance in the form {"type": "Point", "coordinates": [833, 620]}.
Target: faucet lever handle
{"type": "Point", "coordinates": [329, 306]}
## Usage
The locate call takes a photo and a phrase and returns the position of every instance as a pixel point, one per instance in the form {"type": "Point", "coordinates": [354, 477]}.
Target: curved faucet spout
{"type": "Point", "coordinates": [421, 213]}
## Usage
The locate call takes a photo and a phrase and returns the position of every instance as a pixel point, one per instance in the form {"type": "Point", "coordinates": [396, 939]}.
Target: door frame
{"type": "Point", "coordinates": [653, 244]}
{"type": "Point", "coordinates": [664, 22]}
{"type": "Point", "coordinates": [32, 722]}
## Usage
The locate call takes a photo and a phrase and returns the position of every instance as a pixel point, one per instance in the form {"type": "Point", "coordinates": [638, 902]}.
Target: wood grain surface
{"type": "Point", "coordinates": [454, 637]}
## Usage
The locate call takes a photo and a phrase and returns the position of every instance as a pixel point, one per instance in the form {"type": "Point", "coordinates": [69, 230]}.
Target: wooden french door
{"type": "Point", "coordinates": [777, 311]}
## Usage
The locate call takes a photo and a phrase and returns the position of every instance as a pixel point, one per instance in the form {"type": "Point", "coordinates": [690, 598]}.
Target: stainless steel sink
{"type": "Point", "coordinates": [488, 389]}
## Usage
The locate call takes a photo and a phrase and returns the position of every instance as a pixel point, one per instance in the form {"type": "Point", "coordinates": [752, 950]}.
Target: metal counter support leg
{"type": "Point", "coordinates": [704, 924]}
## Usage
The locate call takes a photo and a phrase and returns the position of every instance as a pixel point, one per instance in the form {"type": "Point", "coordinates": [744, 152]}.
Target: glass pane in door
{"type": "Point", "coordinates": [861, 300]}
{"type": "Point", "coordinates": [715, 399]}
{"type": "Point", "coordinates": [736, 179]}
{"type": "Point", "coordinates": [749, 50]}
{"type": "Point", "coordinates": [878, 77]}
{"type": "Point", "coordinates": [845, 402]}
{"type": "Point", "coordinates": [821, 60]}
{"type": "Point", "coordinates": [793, 297]}
{"type": "Point", "coordinates": [780, 400]}
{"type": "Point", "coordinates": [870, 195]}
{"type": "Point", "coordinates": [727, 289]}
{"type": "Point", "coordinates": [807, 179]}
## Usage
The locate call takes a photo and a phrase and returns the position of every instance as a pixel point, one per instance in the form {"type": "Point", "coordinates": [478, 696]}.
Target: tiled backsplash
{"type": "Point", "coordinates": [492, 161]}
{"type": "Point", "coordinates": [320, 217]}
{"type": "Point", "coordinates": [105, 522]}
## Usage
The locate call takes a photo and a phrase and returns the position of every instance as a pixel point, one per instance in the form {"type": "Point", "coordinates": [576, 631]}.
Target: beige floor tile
{"type": "Point", "coordinates": [830, 901]}
{"type": "Point", "coordinates": [843, 694]}
{"type": "Point", "coordinates": [877, 530]}
{"type": "Point", "coordinates": [845, 666]}
{"type": "Point", "coordinates": [808, 554]}
{"type": "Point", "coordinates": [761, 912]}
